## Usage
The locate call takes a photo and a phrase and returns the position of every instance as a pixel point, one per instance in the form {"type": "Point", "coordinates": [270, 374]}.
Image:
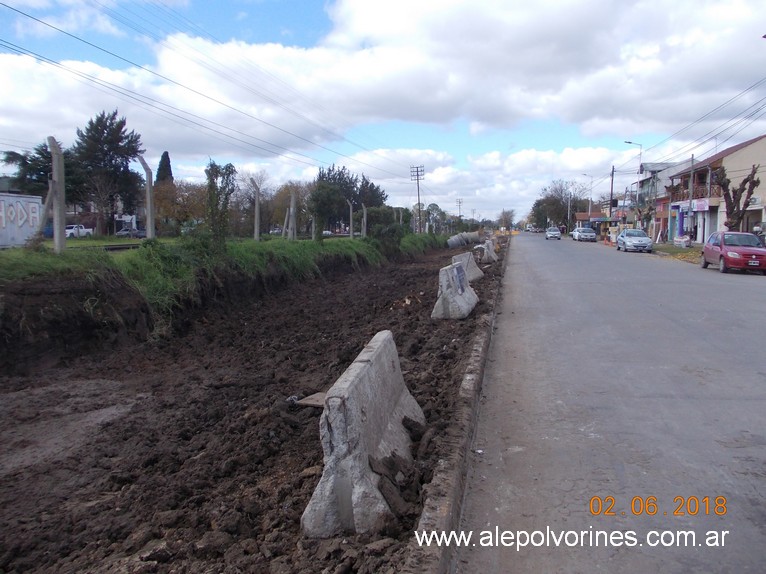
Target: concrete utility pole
{"type": "Point", "coordinates": [350, 219]}
{"type": "Point", "coordinates": [611, 195]}
{"type": "Point", "coordinates": [257, 225]}
{"type": "Point", "coordinates": [293, 223]}
{"type": "Point", "coordinates": [59, 204]}
{"type": "Point", "coordinates": [689, 211]}
{"type": "Point", "coordinates": [416, 174]}
{"type": "Point", "coordinates": [459, 204]}
{"type": "Point", "coordinates": [364, 220]}
{"type": "Point", "coordinates": [149, 198]}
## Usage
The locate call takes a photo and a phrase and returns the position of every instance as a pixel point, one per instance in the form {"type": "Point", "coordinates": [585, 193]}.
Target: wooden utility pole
{"type": "Point", "coordinates": [416, 174]}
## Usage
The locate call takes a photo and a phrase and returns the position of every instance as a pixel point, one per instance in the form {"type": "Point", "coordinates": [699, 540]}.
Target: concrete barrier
{"type": "Point", "coordinates": [456, 297]}
{"type": "Point", "coordinates": [464, 238]}
{"type": "Point", "coordinates": [489, 252]}
{"type": "Point", "coordinates": [468, 262]}
{"type": "Point", "coordinates": [362, 419]}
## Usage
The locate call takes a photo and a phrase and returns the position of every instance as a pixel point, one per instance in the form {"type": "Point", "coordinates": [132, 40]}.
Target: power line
{"type": "Point", "coordinates": [197, 92]}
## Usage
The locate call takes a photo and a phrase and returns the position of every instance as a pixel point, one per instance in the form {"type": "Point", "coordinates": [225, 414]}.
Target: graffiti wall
{"type": "Point", "coordinates": [19, 218]}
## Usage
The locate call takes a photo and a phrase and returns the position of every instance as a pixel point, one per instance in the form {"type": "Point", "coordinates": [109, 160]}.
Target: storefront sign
{"type": "Point", "coordinates": [700, 205]}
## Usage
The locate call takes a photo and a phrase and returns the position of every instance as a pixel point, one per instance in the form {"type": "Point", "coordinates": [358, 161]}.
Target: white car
{"type": "Point", "coordinates": [552, 233]}
{"type": "Point", "coordinates": [584, 234]}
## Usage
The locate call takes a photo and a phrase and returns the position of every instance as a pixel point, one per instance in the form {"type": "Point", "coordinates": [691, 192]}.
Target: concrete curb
{"type": "Point", "coordinates": [443, 496]}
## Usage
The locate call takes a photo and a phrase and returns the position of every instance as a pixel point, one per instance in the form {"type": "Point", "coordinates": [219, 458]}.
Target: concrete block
{"type": "Point", "coordinates": [455, 241]}
{"type": "Point", "coordinates": [456, 297]}
{"type": "Point", "coordinates": [471, 237]}
{"type": "Point", "coordinates": [362, 418]}
{"type": "Point", "coordinates": [489, 252]}
{"type": "Point", "coordinates": [468, 262]}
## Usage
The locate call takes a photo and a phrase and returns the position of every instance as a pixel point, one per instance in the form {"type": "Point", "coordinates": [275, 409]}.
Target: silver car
{"type": "Point", "coordinates": [553, 233]}
{"type": "Point", "coordinates": [634, 240]}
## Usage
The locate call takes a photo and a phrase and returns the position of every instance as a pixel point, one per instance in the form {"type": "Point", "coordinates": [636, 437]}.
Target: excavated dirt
{"type": "Point", "coordinates": [188, 454]}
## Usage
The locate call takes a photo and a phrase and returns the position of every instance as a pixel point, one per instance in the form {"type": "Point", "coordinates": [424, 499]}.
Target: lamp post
{"type": "Point", "coordinates": [590, 197]}
{"type": "Point", "coordinates": [638, 176]}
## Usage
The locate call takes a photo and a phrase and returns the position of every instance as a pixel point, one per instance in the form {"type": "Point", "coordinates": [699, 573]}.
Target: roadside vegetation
{"type": "Point", "coordinates": [688, 254]}
{"type": "Point", "coordinates": [169, 274]}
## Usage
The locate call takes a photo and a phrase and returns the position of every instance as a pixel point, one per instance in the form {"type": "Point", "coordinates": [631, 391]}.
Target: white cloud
{"type": "Point", "coordinates": [617, 70]}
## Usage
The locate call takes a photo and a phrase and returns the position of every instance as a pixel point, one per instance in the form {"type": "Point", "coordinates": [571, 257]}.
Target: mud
{"type": "Point", "coordinates": [126, 453]}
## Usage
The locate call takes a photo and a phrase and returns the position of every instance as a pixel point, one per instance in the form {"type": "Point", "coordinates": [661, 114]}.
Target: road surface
{"type": "Point", "coordinates": [621, 426]}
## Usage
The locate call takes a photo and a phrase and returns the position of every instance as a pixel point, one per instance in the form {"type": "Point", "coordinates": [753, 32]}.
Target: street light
{"type": "Point", "coordinates": [590, 198]}
{"type": "Point", "coordinates": [638, 176]}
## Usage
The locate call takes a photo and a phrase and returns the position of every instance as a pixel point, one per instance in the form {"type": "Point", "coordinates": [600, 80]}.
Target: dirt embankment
{"type": "Point", "coordinates": [185, 454]}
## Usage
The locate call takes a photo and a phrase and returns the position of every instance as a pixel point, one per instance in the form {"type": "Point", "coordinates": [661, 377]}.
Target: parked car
{"type": "Point", "coordinates": [733, 250]}
{"type": "Point", "coordinates": [552, 233]}
{"type": "Point", "coordinates": [584, 234]}
{"type": "Point", "coordinates": [127, 232]}
{"type": "Point", "coordinates": [77, 231]}
{"type": "Point", "coordinates": [634, 240]}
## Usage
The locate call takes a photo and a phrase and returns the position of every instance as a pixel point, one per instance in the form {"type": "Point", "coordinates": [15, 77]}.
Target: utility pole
{"type": "Point", "coordinates": [611, 194]}
{"type": "Point", "coordinates": [416, 174]}
{"type": "Point", "coordinates": [149, 198]}
{"type": "Point", "coordinates": [59, 202]}
{"type": "Point", "coordinates": [257, 209]}
{"type": "Point", "coordinates": [459, 204]}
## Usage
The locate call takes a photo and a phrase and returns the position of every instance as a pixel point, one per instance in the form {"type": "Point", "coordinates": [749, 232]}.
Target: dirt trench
{"type": "Point", "coordinates": [186, 453]}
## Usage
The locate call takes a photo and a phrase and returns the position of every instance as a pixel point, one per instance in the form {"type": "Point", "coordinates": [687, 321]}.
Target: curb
{"type": "Point", "coordinates": [443, 496]}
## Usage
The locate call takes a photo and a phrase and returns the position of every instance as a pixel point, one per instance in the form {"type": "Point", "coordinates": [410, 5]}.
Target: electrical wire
{"type": "Point", "coordinates": [199, 93]}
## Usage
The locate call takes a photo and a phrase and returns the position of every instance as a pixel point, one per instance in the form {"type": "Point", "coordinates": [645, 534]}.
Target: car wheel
{"type": "Point", "coordinates": [703, 262]}
{"type": "Point", "coordinates": [722, 265]}
{"type": "Point", "coordinates": [618, 247]}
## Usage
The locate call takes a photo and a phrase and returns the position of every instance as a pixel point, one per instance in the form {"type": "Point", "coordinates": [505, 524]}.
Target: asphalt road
{"type": "Point", "coordinates": [622, 425]}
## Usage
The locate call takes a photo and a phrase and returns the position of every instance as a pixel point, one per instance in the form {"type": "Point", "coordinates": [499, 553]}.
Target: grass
{"type": "Point", "coordinates": [689, 254]}
{"type": "Point", "coordinates": [167, 273]}
{"type": "Point", "coordinates": [20, 264]}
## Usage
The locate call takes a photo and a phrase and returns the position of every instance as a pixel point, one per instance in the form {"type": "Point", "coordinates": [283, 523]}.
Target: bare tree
{"type": "Point", "coordinates": [736, 206]}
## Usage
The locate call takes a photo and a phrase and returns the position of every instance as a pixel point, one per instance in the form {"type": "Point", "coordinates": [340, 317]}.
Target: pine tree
{"type": "Point", "coordinates": [164, 171]}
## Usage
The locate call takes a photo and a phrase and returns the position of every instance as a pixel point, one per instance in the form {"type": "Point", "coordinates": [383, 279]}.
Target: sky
{"type": "Point", "coordinates": [496, 99]}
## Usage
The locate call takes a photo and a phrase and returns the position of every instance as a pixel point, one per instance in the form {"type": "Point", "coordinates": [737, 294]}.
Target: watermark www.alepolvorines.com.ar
{"type": "Point", "coordinates": [551, 538]}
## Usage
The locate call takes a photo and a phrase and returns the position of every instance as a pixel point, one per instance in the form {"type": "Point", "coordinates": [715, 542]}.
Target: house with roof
{"type": "Point", "coordinates": [697, 207]}
{"type": "Point", "coordinates": [654, 181]}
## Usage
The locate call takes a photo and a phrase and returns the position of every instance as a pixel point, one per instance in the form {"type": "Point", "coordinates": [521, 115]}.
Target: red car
{"type": "Point", "coordinates": [733, 250]}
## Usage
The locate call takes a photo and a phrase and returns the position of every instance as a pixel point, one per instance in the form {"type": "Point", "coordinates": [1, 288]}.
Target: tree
{"type": "Point", "coordinates": [325, 202]}
{"type": "Point", "coordinates": [245, 200]}
{"type": "Point", "coordinates": [371, 195]}
{"type": "Point", "coordinates": [735, 205]}
{"type": "Point", "coordinates": [302, 191]}
{"type": "Point", "coordinates": [104, 150]}
{"type": "Point", "coordinates": [506, 217]}
{"type": "Point", "coordinates": [221, 185]}
{"type": "Point", "coordinates": [558, 204]}
{"type": "Point", "coordinates": [166, 200]}
{"type": "Point", "coordinates": [346, 183]}
{"type": "Point", "coordinates": [35, 167]}
{"type": "Point", "coordinates": [164, 170]}
{"type": "Point", "coordinates": [436, 218]}
{"type": "Point", "coordinates": [191, 203]}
